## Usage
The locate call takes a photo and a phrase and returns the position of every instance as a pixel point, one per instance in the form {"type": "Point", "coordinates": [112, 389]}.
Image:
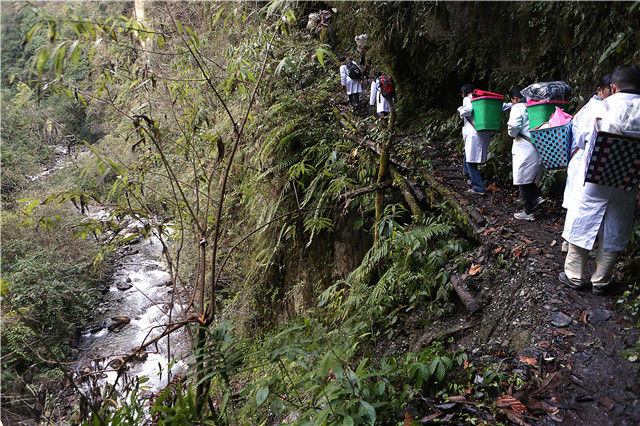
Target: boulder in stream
{"type": "Point", "coordinates": [118, 323]}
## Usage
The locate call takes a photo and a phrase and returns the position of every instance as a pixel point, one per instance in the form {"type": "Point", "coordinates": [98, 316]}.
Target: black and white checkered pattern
{"type": "Point", "coordinates": [614, 160]}
{"type": "Point", "coordinates": [552, 145]}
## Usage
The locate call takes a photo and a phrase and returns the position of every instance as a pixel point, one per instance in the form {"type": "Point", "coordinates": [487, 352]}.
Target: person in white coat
{"type": "Point", "coordinates": [354, 88]}
{"type": "Point", "coordinates": [343, 74]}
{"type": "Point", "coordinates": [526, 162]}
{"type": "Point", "coordinates": [581, 128]}
{"type": "Point", "coordinates": [476, 143]}
{"type": "Point", "coordinates": [602, 212]}
{"type": "Point", "coordinates": [383, 105]}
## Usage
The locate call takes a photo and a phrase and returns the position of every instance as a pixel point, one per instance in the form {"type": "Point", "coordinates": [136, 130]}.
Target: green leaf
{"type": "Point", "coordinates": [41, 61]}
{"type": "Point", "coordinates": [4, 287]}
{"type": "Point", "coordinates": [368, 412]}
{"type": "Point", "coordinates": [52, 31]}
{"type": "Point", "coordinates": [261, 395]}
{"type": "Point", "coordinates": [217, 16]}
{"type": "Point", "coordinates": [30, 34]}
{"type": "Point", "coordinates": [347, 421]}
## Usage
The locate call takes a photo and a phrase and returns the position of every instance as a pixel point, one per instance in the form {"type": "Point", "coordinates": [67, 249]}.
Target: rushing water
{"type": "Point", "coordinates": [140, 291]}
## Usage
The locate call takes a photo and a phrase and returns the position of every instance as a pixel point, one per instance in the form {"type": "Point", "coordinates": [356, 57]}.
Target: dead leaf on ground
{"type": "Point", "coordinates": [553, 243]}
{"type": "Point", "coordinates": [491, 187]}
{"type": "Point", "coordinates": [517, 253]}
{"type": "Point", "coordinates": [488, 231]}
{"type": "Point", "coordinates": [507, 401]}
{"type": "Point", "coordinates": [564, 332]}
{"type": "Point", "coordinates": [458, 398]}
{"type": "Point", "coordinates": [606, 403]}
{"type": "Point", "coordinates": [528, 360]}
{"type": "Point", "coordinates": [408, 420]}
{"type": "Point", "coordinates": [431, 417]}
{"type": "Point", "coordinates": [498, 250]}
{"type": "Point", "coordinates": [584, 315]}
{"type": "Point", "coordinates": [475, 269]}
{"type": "Point", "coordinates": [544, 344]}
{"type": "Point", "coordinates": [515, 417]}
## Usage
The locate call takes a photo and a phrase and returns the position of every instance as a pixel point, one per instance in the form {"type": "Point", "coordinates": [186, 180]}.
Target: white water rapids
{"type": "Point", "coordinates": [140, 290]}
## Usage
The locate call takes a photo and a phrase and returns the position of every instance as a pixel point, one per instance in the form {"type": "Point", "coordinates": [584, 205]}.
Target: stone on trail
{"type": "Point", "coordinates": [599, 316]}
{"type": "Point", "coordinates": [560, 319]}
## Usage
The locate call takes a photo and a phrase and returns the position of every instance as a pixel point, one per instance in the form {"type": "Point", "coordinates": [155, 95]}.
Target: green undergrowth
{"type": "Point", "coordinates": [49, 284]}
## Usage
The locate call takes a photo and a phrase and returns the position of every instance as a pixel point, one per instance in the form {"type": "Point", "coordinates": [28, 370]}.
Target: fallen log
{"type": "Point", "coordinates": [467, 298]}
{"type": "Point", "coordinates": [406, 192]}
{"type": "Point", "coordinates": [469, 220]}
{"type": "Point", "coordinates": [365, 190]}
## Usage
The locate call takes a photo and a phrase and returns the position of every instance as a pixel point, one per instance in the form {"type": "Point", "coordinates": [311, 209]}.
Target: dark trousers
{"type": "Point", "coordinates": [529, 193]}
{"type": "Point", "coordinates": [354, 99]}
{"type": "Point", "coordinates": [471, 169]}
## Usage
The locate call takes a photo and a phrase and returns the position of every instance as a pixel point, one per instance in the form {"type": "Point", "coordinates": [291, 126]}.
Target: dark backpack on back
{"type": "Point", "coordinates": [386, 86]}
{"type": "Point", "coordinates": [353, 71]}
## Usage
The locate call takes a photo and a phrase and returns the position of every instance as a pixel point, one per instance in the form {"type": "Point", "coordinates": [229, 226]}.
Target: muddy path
{"type": "Point", "coordinates": [572, 341]}
{"type": "Point", "coordinates": [567, 347]}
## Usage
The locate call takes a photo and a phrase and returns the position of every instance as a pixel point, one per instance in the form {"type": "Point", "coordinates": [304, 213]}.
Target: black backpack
{"type": "Point", "coordinates": [353, 71]}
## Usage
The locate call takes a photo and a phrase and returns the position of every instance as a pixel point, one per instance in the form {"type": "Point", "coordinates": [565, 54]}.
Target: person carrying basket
{"type": "Point", "coordinates": [604, 213]}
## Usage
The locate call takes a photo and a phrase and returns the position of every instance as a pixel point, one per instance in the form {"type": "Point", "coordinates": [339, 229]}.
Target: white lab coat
{"type": "Point", "coordinates": [601, 208]}
{"type": "Point", "coordinates": [353, 86]}
{"type": "Point", "coordinates": [526, 162]}
{"type": "Point", "coordinates": [343, 75]}
{"type": "Point", "coordinates": [376, 98]}
{"type": "Point", "coordinates": [476, 143]}
{"type": "Point", "coordinates": [582, 129]}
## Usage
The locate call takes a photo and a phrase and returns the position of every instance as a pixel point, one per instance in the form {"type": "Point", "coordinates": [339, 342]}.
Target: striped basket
{"type": "Point", "coordinates": [553, 145]}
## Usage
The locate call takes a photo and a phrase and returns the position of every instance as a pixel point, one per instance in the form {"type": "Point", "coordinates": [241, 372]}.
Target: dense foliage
{"type": "Point", "coordinates": [218, 129]}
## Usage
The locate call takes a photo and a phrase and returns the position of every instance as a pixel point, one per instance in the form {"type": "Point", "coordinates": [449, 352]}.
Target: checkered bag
{"type": "Point", "coordinates": [553, 145]}
{"type": "Point", "coordinates": [614, 160]}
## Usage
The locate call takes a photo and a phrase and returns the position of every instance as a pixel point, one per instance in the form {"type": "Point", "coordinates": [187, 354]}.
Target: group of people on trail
{"type": "Point", "coordinates": [597, 215]}
{"type": "Point", "coordinates": [351, 76]}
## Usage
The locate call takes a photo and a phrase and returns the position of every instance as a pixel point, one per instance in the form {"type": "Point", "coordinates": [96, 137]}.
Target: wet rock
{"type": "Point", "coordinates": [599, 316]}
{"type": "Point", "coordinates": [118, 323]}
{"type": "Point", "coordinates": [94, 328]}
{"type": "Point", "coordinates": [560, 319]}
{"type": "Point", "coordinates": [123, 286]}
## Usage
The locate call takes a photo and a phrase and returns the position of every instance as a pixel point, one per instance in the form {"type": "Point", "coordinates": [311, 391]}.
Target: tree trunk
{"type": "Point", "coordinates": [383, 170]}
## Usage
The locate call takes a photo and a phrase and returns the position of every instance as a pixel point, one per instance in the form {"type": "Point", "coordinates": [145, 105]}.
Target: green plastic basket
{"type": "Point", "coordinates": [487, 113]}
{"type": "Point", "coordinates": [541, 112]}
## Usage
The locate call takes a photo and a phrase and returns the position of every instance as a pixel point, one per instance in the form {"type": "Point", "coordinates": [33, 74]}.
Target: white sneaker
{"type": "Point", "coordinates": [523, 216]}
{"type": "Point", "coordinates": [538, 201]}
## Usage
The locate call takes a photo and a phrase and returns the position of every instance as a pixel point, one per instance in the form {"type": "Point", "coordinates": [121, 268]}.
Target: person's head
{"type": "Point", "coordinates": [342, 59]}
{"type": "Point", "coordinates": [515, 94]}
{"type": "Point", "coordinates": [625, 77]}
{"type": "Point", "coordinates": [604, 87]}
{"type": "Point", "coordinates": [465, 90]}
{"type": "Point", "coordinates": [377, 74]}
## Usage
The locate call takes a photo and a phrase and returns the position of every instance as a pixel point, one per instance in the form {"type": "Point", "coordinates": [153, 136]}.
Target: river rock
{"type": "Point", "coordinates": [94, 328]}
{"type": "Point", "coordinates": [118, 323]}
{"type": "Point", "coordinates": [122, 286]}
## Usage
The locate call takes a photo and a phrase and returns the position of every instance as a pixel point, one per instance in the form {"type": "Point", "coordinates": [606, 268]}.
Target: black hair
{"type": "Point", "coordinates": [466, 89]}
{"type": "Point", "coordinates": [515, 92]}
{"type": "Point", "coordinates": [342, 58]}
{"type": "Point", "coordinates": [626, 77]}
{"type": "Point", "coordinates": [605, 82]}
{"type": "Point", "coordinates": [377, 74]}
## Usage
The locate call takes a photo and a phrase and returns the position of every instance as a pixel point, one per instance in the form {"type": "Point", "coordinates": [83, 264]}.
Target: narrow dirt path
{"type": "Point", "coordinates": [571, 340]}
{"type": "Point", "coordinates": [566, 346]}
